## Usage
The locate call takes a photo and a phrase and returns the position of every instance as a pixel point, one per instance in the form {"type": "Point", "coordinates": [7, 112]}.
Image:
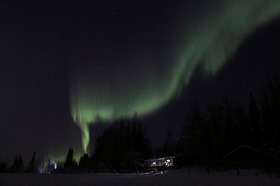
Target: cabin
{"type": "Point", "coordinates": [247, 157]}
{"type": "Point", "coordinates": [167, 161]}
{"type": "Point", "coordinates": [159, 164]}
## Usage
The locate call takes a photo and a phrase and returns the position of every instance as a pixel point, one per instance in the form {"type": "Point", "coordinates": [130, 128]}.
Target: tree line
{"type": "Point", "coordinates": [121, 148]}
{"type": "Point", "coordinates": [208, 136]}
{"type": "Point", "coordinates": [18, 165]}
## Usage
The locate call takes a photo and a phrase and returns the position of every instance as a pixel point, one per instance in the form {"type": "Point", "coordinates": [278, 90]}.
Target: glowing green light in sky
{"type": "Point", "coordinates": [145, 87]}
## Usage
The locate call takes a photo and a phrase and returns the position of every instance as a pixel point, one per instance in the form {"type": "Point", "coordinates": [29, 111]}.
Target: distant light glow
{"type": "Point", "coordinates": [144, 88]}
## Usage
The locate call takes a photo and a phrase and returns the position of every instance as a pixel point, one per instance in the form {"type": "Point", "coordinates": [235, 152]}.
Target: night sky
{"type": "Point", "coordinates": [69, 67]}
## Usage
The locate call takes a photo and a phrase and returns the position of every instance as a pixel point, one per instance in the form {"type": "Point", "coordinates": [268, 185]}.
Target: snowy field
{"type": "Point", "coordinates": [182, 177]}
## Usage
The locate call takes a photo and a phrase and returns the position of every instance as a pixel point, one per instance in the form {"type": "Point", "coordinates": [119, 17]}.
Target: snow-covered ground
{"type": "Point", "coordinates": [175, 177]}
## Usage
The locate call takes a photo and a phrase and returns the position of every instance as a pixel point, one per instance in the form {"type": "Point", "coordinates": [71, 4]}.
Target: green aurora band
{"type": "Point", "coordinates": [208, 46]}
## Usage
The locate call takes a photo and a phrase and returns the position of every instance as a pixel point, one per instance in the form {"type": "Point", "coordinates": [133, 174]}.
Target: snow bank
{"type": "Point", "coordinates": [181, 177]}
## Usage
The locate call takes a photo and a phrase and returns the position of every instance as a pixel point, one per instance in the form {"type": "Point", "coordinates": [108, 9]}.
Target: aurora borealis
{"type": "Point", "coordinates": [68, 68]}
{"type": "Point", "coordinates": [137, 77]}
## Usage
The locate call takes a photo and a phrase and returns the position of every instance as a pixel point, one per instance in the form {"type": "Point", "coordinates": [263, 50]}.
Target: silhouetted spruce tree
{"type": "Point", "coordinates": [242, 126]}
{"type": "Point", "coordinates": [229, 126]}
{"type": "Point", "coordinates": [18, 164]}
{"type": "Point", "coordinates": [215, 133]}
{"type": "Point", "coordinates": [169, 146]}
{"type": "Point", "coordinates": [139, 139]}
{"type": "Point", "coordinates": [140, 148]}
{"type": "Point", "coordinates": [255, 120]}
{"type": "Point", "coordinates": [271, 118]}
{"type": "Point", "coordinates": [70, 163]}
{"type": "Point", "coordinates": [121, 147]}
{"type": "Point", "coordinates": [31, 166]}
{"type": "Point", "coordinates": [84, 163]}
{"type": "Point", "coordinates": [193, 136]}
